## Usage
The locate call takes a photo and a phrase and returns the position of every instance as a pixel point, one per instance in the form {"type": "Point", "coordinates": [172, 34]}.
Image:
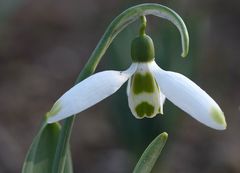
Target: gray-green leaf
{"type": "Point", "coordinates": [151, 154]}
{"type": "Point", "coordinates": [41, 153]}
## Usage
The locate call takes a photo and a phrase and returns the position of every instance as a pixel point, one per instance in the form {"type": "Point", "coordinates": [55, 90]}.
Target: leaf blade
{"type": "Point", "coordinates": [42, 151]}
{"type": "Point", "coordinates": [151, 154]}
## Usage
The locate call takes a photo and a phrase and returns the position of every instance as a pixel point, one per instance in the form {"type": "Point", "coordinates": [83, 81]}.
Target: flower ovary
{"type": "Point", "coordinates": [142, 49]}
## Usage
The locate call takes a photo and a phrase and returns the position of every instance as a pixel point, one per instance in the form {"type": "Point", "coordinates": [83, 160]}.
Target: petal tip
{"type": "Point", "coordinates": [219, 118]}
{"type": "Point", "coordinates": [224, 126]}
{"type": "Point", "coordinates": [54, 111]}
{"type": "Point", "coordinates": [50, 120]}
{"type": "Point", "coordinates": [221, 127]}
{"type": "Point", "coordinates": [54, 119]}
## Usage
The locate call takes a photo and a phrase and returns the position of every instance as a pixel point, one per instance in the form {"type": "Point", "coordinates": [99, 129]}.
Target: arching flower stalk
{"type": "Point", "coordinates": [148, 86]}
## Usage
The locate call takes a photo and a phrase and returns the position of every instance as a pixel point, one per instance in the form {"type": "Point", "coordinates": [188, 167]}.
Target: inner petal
{"type": "Point", "coordinates": [144, 94]}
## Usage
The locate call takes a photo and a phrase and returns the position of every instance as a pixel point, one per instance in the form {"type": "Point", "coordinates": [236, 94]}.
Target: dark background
{"type": "Point", "coordinates": [44, 45]}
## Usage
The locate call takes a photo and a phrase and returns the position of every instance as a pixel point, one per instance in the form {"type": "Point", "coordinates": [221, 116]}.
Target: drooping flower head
{"type": "Point", "coordinates": [148, 86]}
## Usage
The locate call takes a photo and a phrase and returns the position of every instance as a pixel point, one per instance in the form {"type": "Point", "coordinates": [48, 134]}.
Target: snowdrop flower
{"type": "Point", "coordinates": [148, 86]}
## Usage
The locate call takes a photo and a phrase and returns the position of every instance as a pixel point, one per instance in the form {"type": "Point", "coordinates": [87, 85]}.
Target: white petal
{"type": "Point", "coordinates": [162, 100]}
{"type": "Point", "coordinates": [189, 97]}
{"type": "Point", "coordinates": [89, 92]}
{"type": "Point", "coordinates": [128, 86]}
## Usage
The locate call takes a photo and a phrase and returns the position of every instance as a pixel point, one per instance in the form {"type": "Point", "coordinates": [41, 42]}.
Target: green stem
{"type": "Point", "coordinates": [143, 25]}
{"type": "Point", "coordinates": [118, 24]}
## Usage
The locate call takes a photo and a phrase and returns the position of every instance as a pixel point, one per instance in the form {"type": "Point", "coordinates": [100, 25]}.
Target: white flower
{"type": "Point", "coordinates": [148, 85]}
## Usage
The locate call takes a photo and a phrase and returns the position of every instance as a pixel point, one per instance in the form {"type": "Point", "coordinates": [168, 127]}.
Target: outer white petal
{"type": "Point", "coordinates": [189, 97]}
{"type": "Point", "coordinates": [162, 100]}
{"type": "Point", "coordinates": [128, 86]}
{"type": "Point", "coordinates": [89, 92]}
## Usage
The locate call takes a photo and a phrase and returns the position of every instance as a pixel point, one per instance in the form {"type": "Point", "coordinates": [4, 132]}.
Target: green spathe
{"type": "Point", "coordinates": [218, 116]}
{"type": "Point", "coordinates": [143, 83]}
{"type": "Point", "coordinates": [142, 49]}
{"type": "Point", "coordinates": [145, 108]}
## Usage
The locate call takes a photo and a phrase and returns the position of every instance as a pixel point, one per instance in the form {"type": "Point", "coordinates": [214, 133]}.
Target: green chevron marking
{"type": "Point", "coordinates": [143, 83]}
{"type": "Point", "coordinates": [144, 108]}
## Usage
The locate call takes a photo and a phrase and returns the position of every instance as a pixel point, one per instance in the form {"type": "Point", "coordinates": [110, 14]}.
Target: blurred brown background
{"type": "Point", "coordinates": [44, 45]}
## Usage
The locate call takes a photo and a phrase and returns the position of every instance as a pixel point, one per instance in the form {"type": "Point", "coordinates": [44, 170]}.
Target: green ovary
{"type": "Point", "coordinates": [144, 108]}
{"type": "Point", "coordinates": [143, 83]}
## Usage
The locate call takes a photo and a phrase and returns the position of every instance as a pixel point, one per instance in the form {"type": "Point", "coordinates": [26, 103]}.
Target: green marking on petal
{"type": "Point", "coordinates": [55, 109]}
{"type": "Point", "coordinates": [144, 108]}
{"type": "Point", "coordinates": [218, 116]}
{"type": "Point", "coordinates": [143, 82]}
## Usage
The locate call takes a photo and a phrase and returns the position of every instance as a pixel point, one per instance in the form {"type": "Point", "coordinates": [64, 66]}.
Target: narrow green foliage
{"type": "Point", "coordinates": [68, 163]}
{"type": "Point", "coordinates": [42, 151]}
{"type": "Point", "coordinates": [62, 147]}
{"type": "Point", "coordinates": [151, 154]}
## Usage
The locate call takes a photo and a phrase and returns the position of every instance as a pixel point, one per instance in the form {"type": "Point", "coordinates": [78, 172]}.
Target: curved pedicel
{"type": "Point", "coordinates": [129, 16]}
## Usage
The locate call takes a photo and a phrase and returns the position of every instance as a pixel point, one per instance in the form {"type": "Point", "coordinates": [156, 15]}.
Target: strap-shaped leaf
{"type": "Point", "coordinates": [42, 151]}
{"type": "Point", "coordinates": [151, 154]}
